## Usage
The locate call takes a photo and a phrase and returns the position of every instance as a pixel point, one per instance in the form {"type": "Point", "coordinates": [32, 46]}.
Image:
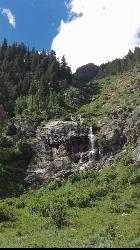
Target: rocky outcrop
{"type": "Point", "coordinates": [60, 148]}
{"type": "Point", "coordinates": [132, 125]}
{"type": "Point", "coordinates": [115, 137]}
{"type": "Point", "coordinates": [25, 125]}
{"type": "Point", "coordinates": [136, 156]}
{"type": "Point", "coordinates": [59, 132]}
{"type": "Point", "coordinates": [57, 151]}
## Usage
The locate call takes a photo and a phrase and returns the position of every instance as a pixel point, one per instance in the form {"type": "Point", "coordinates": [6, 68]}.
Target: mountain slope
{"type": "Point", "coordinates": [79, 142]}
{"type": "Point", "coordinates": [91, 208]}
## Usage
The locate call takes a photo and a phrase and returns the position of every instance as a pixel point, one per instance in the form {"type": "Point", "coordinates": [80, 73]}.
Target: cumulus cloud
{"type": "Point", "coordinates": [98, 31]}
{"type": "Point", "coordinates": [10, 16]}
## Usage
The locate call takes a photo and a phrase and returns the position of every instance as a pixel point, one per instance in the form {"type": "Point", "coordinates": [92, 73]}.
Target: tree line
{"type": "Point", "coordinates": [30, 78]}
{"type": "Point", "coordinates": [92, 71]}
{"type": "Point", "coordinates": [35, 82]}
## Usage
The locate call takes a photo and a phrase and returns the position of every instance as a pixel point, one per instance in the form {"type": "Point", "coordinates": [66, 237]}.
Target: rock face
{"type": "Point", "coordinates": [132, 125]}
{"type": "Point", "coordinates": [115, 137]}
{"type": "Point", "coordinates": [25, 125]}
{"type": "Point", "coordinates": [59, 148]}
{"type": "Point", "coordinates": [136, 156]}
{"type": "Point", "coordinates": [57, 151]}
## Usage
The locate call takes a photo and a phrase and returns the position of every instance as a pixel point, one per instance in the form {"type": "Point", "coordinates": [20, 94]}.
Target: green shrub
{"type": "Point", "coordinates": [92, 124]}
{"type": "Point", "coordinates": [83, 175]}
{"type": "Point", "coordinates": [135, 194]}
{"type": "Point", "coordinates": [58, 213]}
{"type": "Point", "coordinates": [55, 184]}
{"type": "Point", "coordinates": [6, 214]}
{"type": "Point", "coordinates": [135, 179]}
{"type": "Point", "coordinates": [124, 159]}
{"type": "Point", "coordinates": [122, 207]}
{"type": "Point", "coordinates": [111, 231]}
{"type": "Point", "coordinates": [99, 193]}
{"type": "Point", "coordinates": [98, 241]}
{"type": "Point", "coordinates": [82, 200]}
{"type": "Point", "coordinates": [108, 175]}
{"type": "Point", "coordinates": [10, 129]}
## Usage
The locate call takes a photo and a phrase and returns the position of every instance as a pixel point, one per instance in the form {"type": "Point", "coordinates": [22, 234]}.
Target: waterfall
{"type": "Point", "coordinates": [92, 139]}
{"type": "Point", "coordinates": [81, 119]}
{"type": "Point", "coordinates": [84, 157]}
{"type": "Point", "coordinates": [81, 158]}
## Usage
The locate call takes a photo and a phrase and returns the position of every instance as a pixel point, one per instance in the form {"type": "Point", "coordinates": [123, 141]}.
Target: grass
{"type": "Point", "coordinates": [118, 92]}
{"type": "Point", "coordinates": [99, 210]}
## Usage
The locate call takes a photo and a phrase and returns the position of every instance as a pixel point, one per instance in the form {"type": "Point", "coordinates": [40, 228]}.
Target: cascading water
{"type": "Point", "coordinates": [92, 139]}
{"type": "Point", "coordinates": [92, 149]}
{"type": "Point", "coordinates": [81, 158]}
{"type": "Point", "coordinates": [81, 119]}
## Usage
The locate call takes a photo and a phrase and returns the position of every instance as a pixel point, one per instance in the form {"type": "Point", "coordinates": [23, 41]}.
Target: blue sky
{"type": "Point", "coordinates": [85, 31]}
{"type": "Point", "coordinates": [37, 21]}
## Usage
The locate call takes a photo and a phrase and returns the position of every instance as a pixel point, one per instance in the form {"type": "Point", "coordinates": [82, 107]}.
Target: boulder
{"type": "Point", "coordinates": [115, 137]}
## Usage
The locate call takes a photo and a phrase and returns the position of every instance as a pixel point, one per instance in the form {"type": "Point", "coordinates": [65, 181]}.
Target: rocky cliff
{"type": "Point", "coordinates": [61, 147]}
{"type": "Point", "coordinates": [57, 150]}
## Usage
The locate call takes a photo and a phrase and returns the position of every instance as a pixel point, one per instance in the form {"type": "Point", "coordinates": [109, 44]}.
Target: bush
{"type": "Point", "coordinates": [99, 193]}
{"type": "Point", "coordinates": [135, 179]}
{"type": "Point", "coordinates": [120, 208]}
{"type": "Point", "coordinates": [82, 200]}
{"type": "Point", "coordinates": [125, 159]}
{"type": "Point", "coordinates": [6, 214]}
{"type": "Point", "coordinates": [92, 124]}
{"type": "Point", "coordinates": [58, 213]}
{"type": "Point", "coordinates": [83, 175]}
{"type": "Point", "coordinates": [21, 105]}
{"type": "Point", "coordinates": [55, 184]}
{"type": "Point", "coordinates": [111, 231]}
{"type": "Point", "coordinates": [10, 129]}
{"type": "Point", "coordinates": [98, 241]}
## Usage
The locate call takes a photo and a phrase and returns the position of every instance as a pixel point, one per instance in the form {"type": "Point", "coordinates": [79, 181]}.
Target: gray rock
{"type": "Point", "coordinates": [136, 156]}
{"type": "Point", "coordinates": [115, 137]}
{"type": "Point", "coordinates": [59, 132]}
{"type": "Point", "coordinates": [25, 125]}
{"type": "Point", "coordinates": [56, 151]}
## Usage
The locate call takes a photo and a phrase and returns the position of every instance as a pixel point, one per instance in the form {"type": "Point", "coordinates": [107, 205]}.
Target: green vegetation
{"type": "Point", "coordinates": [119, 93]}
{"type": "Point", "coordinates": [90, 209]}
{"type": "Point", "coordinates": [32, 82]}
{"type": "Point", "coordinates": [13, 163]}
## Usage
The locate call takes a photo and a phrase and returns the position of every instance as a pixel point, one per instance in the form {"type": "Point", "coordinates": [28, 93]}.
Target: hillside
{"type": "Point", "coordinates": [89, 210]}
{"type": "Point", "coordinates": [69, 152]}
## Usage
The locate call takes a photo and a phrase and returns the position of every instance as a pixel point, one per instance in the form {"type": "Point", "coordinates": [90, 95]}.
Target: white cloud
{"type": "Point", "coordinates": [10, 16]}
{"type": "Point", "coordinates": [99, 31]}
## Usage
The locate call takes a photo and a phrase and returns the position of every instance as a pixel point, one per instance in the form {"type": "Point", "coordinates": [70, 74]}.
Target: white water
{"type": "Point", "coordinates": [81, 119]}
{"type": "Point", "coordinates": [92, 151]}
{"type": "Point", "coordinates": [92, 139]}
{"type": "Point", "coordinates": [81, 158]}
